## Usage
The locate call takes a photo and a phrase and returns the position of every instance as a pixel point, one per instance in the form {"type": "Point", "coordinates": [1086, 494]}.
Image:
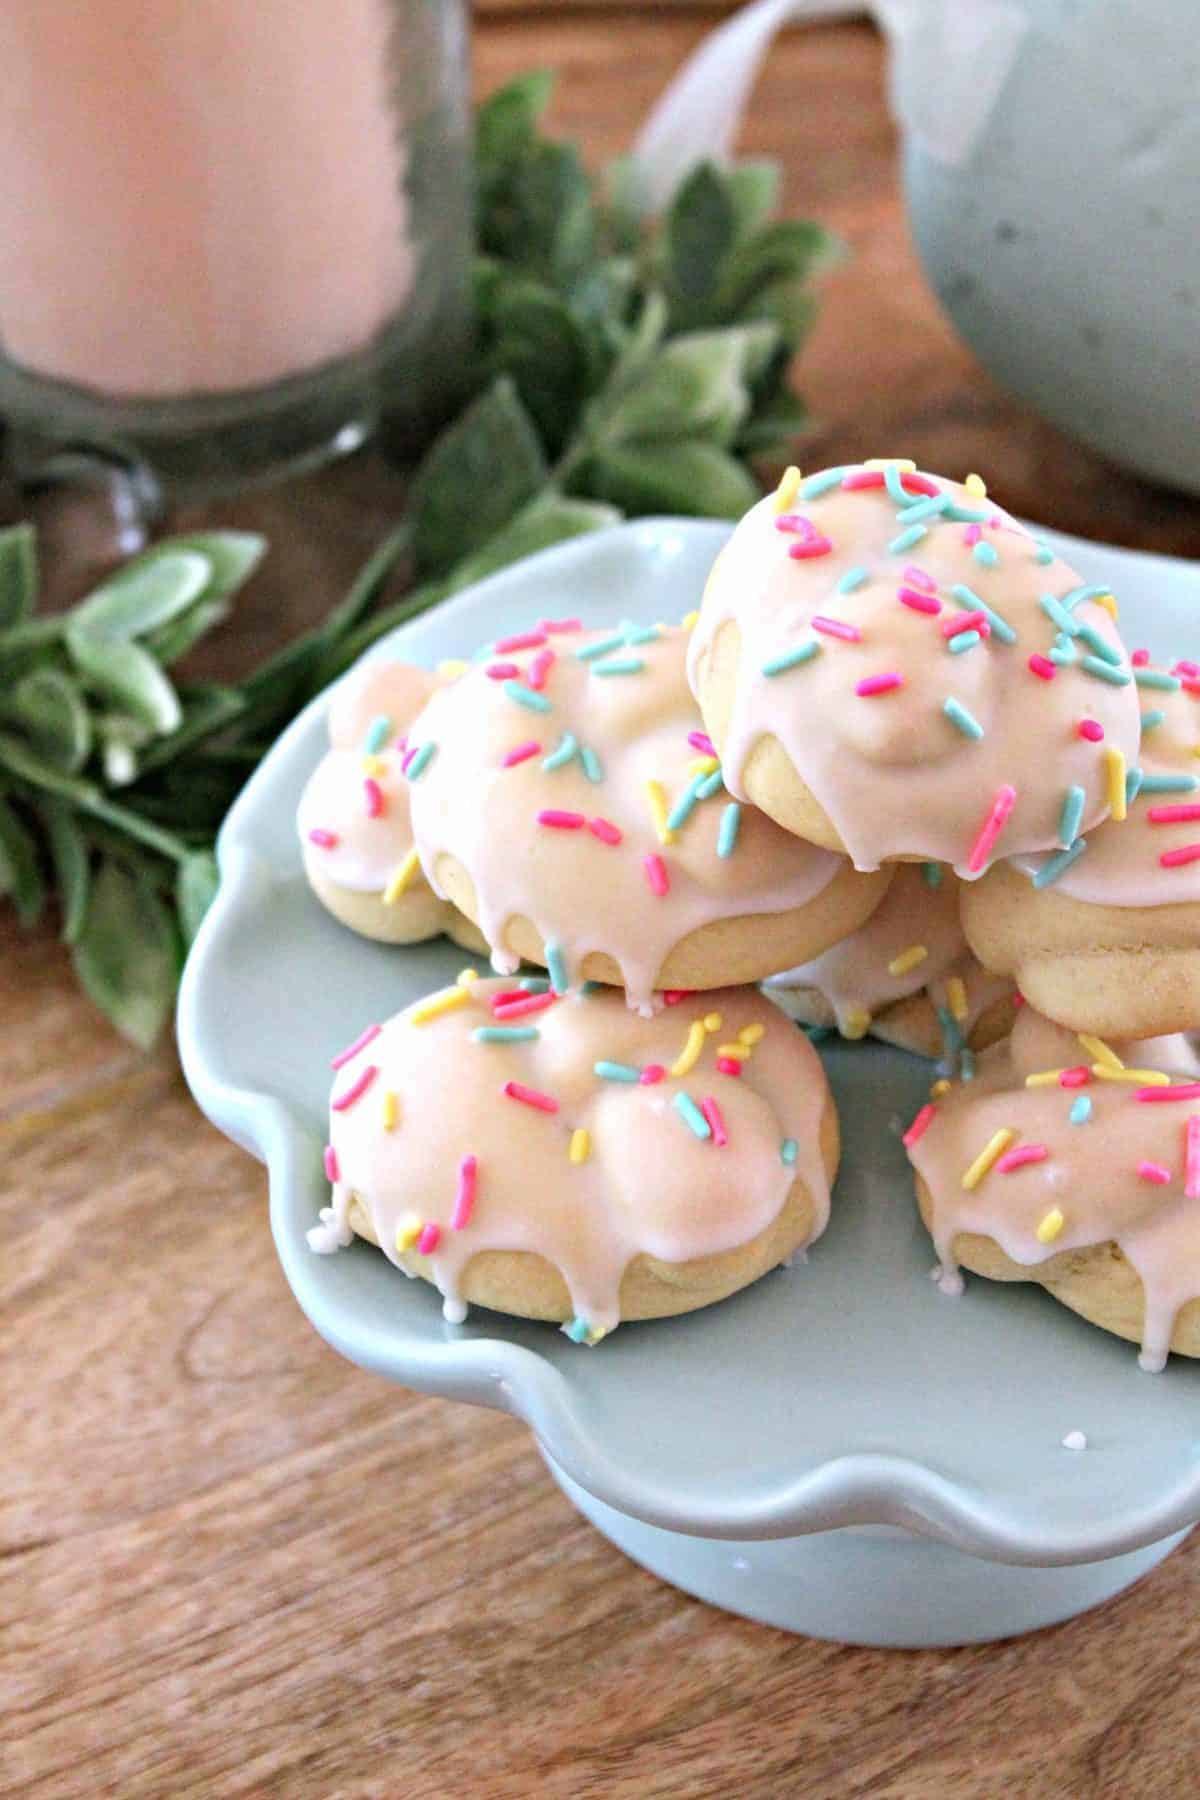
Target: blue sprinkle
{"type": "Point", "coordinates": [1091, 637]}
{"type": "Point", "coordinates": [963, 640]}
{"type": "Point", "coordinates": [731, 818]}
{"type": "Point", "coordinates": [952, 1038]}
{"type": "Point", "coordinates": [640, 634]}
{"type": "Point", "coordinates": [505, 1034]}
{"type": "Point", "coordinates": [1133, 785]}
{"type": "Point", "coordinates": [1058, 865]}
{"type": "Point", "coordinates": [1078, 595]}
{"type": "Point", "coordinates": [788, 1151]}
{"type": "Point", "coordinates": [966, 1065]}
{"type": "Point", "coordinates": [958, 715]}
{"type": "Point", "coordinates": [614, 1071]}
{"type": "Point", "coordinates": [591, 987]}
{"type": "Point", "coordinates": [557, 965]}
{"type": "Point", "coordinates": [1063, 651]}
{"type": "Point", "coordinates": [928, 507]}
{"type": "Point", "coordinates": [852, 579]}
{"type": "Point", "coordinates": [893, 482]}
{"type": "Point", "coordinates": [710, 784]}
{"type": "Point", "coordinates": [1105, 671]}
{"type": "Point", "coordinates": [1151, 678]}
{"type": "Point", "coordinates": [969, 599]}
{"type": "Point", "coordinates": [932, 873]}
{"type": "Point", "coordinates": [563, 754]}
{"type": "Point", "coordinates": [578, 1331]}
{"type": "Point", "coordinates": [1043, 554]}
{"type": "Point", "coordinates": [908, 538]}
{"type": "Point", "coordinates": [1081, 1110]}
{"type": "Point", "coordinates": [816, 485]}
{"type": "Point", "coordinates": [691, 1115]}
{"type": "Point", "coordinates": [593, 768]}
{"type": "Point", "coordinates": [1169, 784]}
{"type": "Point", "coordinates": [1071, 816]}
{"type": "Point", "coordinates": [601, 647]}
{"type": "Point", "coordinates": [987, 554]}
{"type": "Point", "coordinates": [1058, 615]}
{"type": "Point", "coordinates": [534, 984]}
{"type": "Point", "coordinates": [421, 761]}
{"type": "Point", "coordinates": [525, 696]}
{"type": "Point", "coordinates": [683, 807]}
{"type": "Point", "coordinates": [1151, 720]}
{"type": "Point", "coordinates": [378, 732]}
{"type": "Point", "coordinates": [791, 659]}
{"type": "Point", "coordinates": [966, 515]}
{"type": "Point", "coordinates": [620, 665]}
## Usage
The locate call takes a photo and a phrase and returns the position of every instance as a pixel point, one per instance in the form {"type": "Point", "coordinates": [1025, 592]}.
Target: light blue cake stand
{"type": "Point", "coordinates": [840, 1449]}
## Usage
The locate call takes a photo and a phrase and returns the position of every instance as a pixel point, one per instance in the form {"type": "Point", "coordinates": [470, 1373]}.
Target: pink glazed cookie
{"type": "Point", "coordinates": [892, 667]}
{"type": "Point", "coordinates": [568, 1159]}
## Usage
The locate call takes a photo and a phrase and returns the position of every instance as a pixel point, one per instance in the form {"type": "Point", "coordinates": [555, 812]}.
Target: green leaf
{"type": "Point", "coordinates": [176, 638]}
{"type": "Point", "coordinates": [789, 306]}
{"type": "Point", "coordinates": [700, 234]}
{"type": "Point", "coordinates": [204, 715]}
{"type": "Point", "coordinates": [507, 121]}
{"type": "Point", "coordinates": [789, 250]}
{"type": "Point", "coordinates": [125, 673]}
{"type": "Point", "coordinates": [20, 870]}
{"type": "Point", "coordinates": [540, 217]}
{"type": "Point", "coordinates": [196, 883]}
{"type": "Point", "coordinates": [18, 573]}
{"type": "Point", "coordinates": [144, 594]}
{"type": "Point", "coordinates": [72, 864]}
{"type": "Point", "coordinates": [233, 557]}
{"type": "Point", "coordinates": [696, 387]}
{"type": "Point", "coordinates": [672, 477]}
{"type": "Point", "coordinates": [121, 737]}
{"type": "Point", "coordinates": [538, 344]}
{"type": "Point", "coordinates": [550, 518]}
{"type": "Point", "coordinates": [625, 205]}
{"type": "Point", "coordinates": [49, 708]}
{"type": "Point", "coordinates": [127, 953]}
{"type": "Point", "coordinates": [773, 427]}
{"type": "Point", "coordinates": [753, 189]}
{"type": "Point", "coordinates": [478, 474]}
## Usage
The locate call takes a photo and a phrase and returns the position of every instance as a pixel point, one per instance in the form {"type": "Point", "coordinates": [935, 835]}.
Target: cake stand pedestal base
{"type": "Point", "coordinates": [869, 1584]}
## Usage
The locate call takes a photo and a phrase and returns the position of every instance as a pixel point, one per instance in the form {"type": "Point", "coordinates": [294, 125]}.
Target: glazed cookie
{"type": "Point", "coordinates": [1065, 1163]}
{"type": "Point", "coordinates": [1104, 934]}
{"type": "Point", "coordinates": [353, 818]}
{"type": "Point", "coordinates": [565, 1158]}
{"type": "Point", "coordinates": [569, 804]}
{"type": "Point", "coordinates": [891, 666]}
{"type": "Point", "coordinates": [906, 976]}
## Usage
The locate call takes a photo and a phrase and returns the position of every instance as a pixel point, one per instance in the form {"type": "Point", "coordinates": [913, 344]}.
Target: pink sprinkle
{"type": "Point", "coordinates": [360, 1043]}
{"type": "Point", "coordinates": [332, 1170]}
{"type": "Point", "coordinates": [1172, 815]}
{"type": "Point", "coordinates": [408, 756]}
{"type": "Point", "coordinates": [521, 754]}
{"type": "Point", "coordinates": [524, 640]}
{"type": "Point", "coordinates": [508, 996]}
{"type": "Point", "coordinates": [992, 826]}
{"type": "Point", "coordinates": [920, 579]}
{"type": "Point", "coordinates": [356, 1090]}
{"type": "Point", "coordinates": [835, 628]}
{"type": "Point", "coordinates": [970, 621]}
{"type": "Point", "coordinates": [430, 1238]}
{"type": "Point", "coordinates": [878, 684]}
{"type": "Point", "coordinates": [1186, 668]}
{"type": "Point", "coordinates": [1077, 1077]}
{"type": "Point", "coordinates": [656, 875]}
{"type": "Point", "coordinates": [972, 533]}
{"type": "Point", "coordinates": [729, 1065]}
{"type": "Point", "coordinates": [521, 1009]}
{"type": "Point", "coordinates": [922, 603]}
{"type": "Point", "coordinates": [372, 797]}
{"type": "Point", "coordinates": [1152, 1171]}
{"type": "Point", "coordinates": [862, 478]}
{"type": "Point", "coordinates": [652, 1073]}
{"type": "Point", "coordinates": [1018, 998]}
{"type": "Point", "coordinates": [1041, 665]}
{"type": "Point", "coordinates": [1017, 1159]}
{"type": "Point", "coordinates": [324, 840]}
{"type": "Point", "coordinates": [1092, 730]}
{"type": "Point", "coordinates": [1140, 658]}
{"type": "Point", "coordinates": [700, 740]}
{"type": "Point", "coordinates": [561, 821]}
{"type": "Point", "coordinates": [464, 1204]}
{"type": "Point", "coordinates": [806, 547]}
{"type": "Point", "coordinates": [539, 668]}
{"type": "Point", "coordinates": [401, 744]}
{"type": "Point", "coordinates": [549, 625]}
{"type": "Point", "coordinates": [516, 1090]}
{"type": "Point", "coordinates": [672, 996]}
{"type": "Point", "coordinates": [919, 1126]}
{"type": "Point", "coordinates": [1186, 1090]}
{"type": "Point", "coordinates": [1190, 684]}
{"type": "Point", "coordinates": [1191, 1158]}
{"type": "Point", "coordinates": [1174, 859]}
{"type": "Point", "coordinates": [712, 1113]}
{"type": "Point", "coordinates": [605, 830]}
{"type": "Point", "coordinates": [503, 671]}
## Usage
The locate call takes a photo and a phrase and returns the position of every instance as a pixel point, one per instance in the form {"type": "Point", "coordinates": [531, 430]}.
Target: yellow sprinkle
{"type": "Point", "coordinates": [857, 1023]}
{"type": "Point", "coordinates": [451, 668]}
{"type": "Point", "coordinates": [789, 487]}
{"type": "Point", "coordinates": [400, 880]}
{"type": "Point", "coordinates": [907, 959]}
{"type": "Point", "coordinates": [1139, 1077]}
{"type": "Point", "coordinates": [690, 1054]}
{"type": "Point", "coordinates": [938, 1089]}
{"type": "Point", "coordinates": [751, 1034]}
{"type": "Point", "coordinates": [1109, 603]}
{"type": "Point", "coordinates": [391, 1109]}
{"type": "Point", "coordinates": [689, 619]}
{"type": "Point", "coordinates": [1050, 1226]}
{"type": "Point", "coordinates": [956, 994]}
{"type": "Point", "coordinates": [1044, 1078]}
{"type": "Point", "coordinates": [449, 1000]}
{"type": "Point", "coordinates": [975, 484]}
{"type": "Point", "coordinates": [703, 765]}
{"type": "Point", "coordinates": [905, 464]}
{"type": "Point", "coordinates": [408, 1231]}
{"type": "Point", "coordinates": [1099, 1049]}
{"type": "Point", "coordinates": [1114, 770]}
{"type": "Point", "coordinates": [995, 1147]}
{"type": "Point", "coordinates": [658, 811]}
{"type": "Point", "coordinates": [713, 1021]}
{"type": "Point", "coordinates": [580, 1147]}
{"type": "Point", "coordinates": [739, 1052]}
{"type": "Point", "coordinates": [374, 765]}
{"type": "Point", "coordinates": [465, 977]}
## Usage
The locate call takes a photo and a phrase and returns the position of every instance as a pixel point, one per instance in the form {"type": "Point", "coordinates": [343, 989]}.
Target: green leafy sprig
{"type": "Point", "coordinates": [621, 366]}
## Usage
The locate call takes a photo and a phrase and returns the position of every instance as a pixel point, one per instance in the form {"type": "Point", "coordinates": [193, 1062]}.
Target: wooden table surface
{"type": "Point", "coordinates": [235, 1565]}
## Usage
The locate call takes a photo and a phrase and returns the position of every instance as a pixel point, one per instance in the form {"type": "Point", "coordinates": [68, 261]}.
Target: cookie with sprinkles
{"type": "Point", "coordinates": [1073, 1161]}
{"type": "Point", "coordinates": [564, 1158]}
{"type": "Point", "coordinates": [892, 667]}
{"type": "Point", "coordinates": [906, 976]}
{"type": "Point", "coordinates": [615, 853]}
{"type": "Point", "coordinates": [353, 818]}
{"type": "Point", "coordinates": [1103, 932]}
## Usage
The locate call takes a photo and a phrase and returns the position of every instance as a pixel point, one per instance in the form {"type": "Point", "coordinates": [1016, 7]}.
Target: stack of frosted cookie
{"type": "Point", "coordinates": [888, 769]}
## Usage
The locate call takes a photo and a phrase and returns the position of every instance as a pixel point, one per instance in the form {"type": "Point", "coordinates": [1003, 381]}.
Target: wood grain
{"type": "Point", "coordinates": [234, 1565]}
